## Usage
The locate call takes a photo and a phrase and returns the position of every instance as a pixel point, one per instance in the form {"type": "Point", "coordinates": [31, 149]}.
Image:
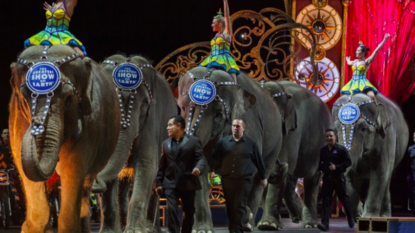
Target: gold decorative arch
{"type": "Point", "coordinates": [265, 45]}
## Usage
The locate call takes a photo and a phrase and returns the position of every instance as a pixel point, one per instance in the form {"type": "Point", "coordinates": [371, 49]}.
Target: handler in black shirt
{"type": "Point", "coordinates": [334, 160]}
{"type": "Point", "coordinates": [237, 155]}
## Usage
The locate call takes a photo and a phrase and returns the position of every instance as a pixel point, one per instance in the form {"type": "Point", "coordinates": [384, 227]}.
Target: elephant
{"type": "Point", "coordinates": [305, 118]}
{"type": "Point", "coordinates": [152, 107]}
{"type": "Point", "coordinates": [376, 140]}
{"type": "Point", "coordinates": [247, 100]}
{"type": "Point", "coordinates": [80, 130]}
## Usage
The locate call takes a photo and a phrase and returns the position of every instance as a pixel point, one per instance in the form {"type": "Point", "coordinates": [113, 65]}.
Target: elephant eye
{"type": "Point", "coordinates": [363, 129]}
{"type": "Point", "coordinates": [218, 115]}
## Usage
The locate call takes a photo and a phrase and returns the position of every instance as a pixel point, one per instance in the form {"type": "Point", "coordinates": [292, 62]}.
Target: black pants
{"type": "Point", "coordinates": [236, 191]}
{"type": "Point", "coordinates": [330, 185]}
{"type": "Point", "coordinates": [188, 206]}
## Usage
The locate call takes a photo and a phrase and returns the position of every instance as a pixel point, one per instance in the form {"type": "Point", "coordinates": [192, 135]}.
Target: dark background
{"type": "Point", "coordinates": [152, 28]}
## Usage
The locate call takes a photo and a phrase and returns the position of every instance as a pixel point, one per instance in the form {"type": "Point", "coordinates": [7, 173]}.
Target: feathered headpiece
{"type": "Point", "coordinates": [220, 13]}
{"type": "Point", "coordinates": [361, 44]}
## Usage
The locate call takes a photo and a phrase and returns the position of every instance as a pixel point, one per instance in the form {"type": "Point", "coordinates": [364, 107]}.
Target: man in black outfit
{"type": "Point", "coordinates": [237, 155]}
{"type": "Point", "coordinates": [411, 151]}
{"type": "Point", "coordinates": [181, 161]}
{"type": "Point", "coordinates": [334, 160]}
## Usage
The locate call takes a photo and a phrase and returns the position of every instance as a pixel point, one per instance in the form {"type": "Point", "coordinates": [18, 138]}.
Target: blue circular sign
{"type": "Point", "coordinates": [43, 77]}
{"type": "Point", "coordinates": [202, 92]}
{"type": "Point", "coordinates": [349, 113]}
{"type": "Point", "coordinates": [127, 76]}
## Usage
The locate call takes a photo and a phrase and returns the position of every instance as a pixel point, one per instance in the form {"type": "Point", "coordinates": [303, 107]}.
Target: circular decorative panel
{"type": "Point", "coordinates": [324, 22]}
{"type": "Point", "coordinates": [328, 78]}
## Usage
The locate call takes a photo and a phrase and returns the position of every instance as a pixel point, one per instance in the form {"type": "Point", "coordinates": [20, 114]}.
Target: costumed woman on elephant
{"type": "Point", "coordinates": [220, 57]}
{"type": "Point", "coordinates": [58, 16]}
{"type": "Point", "coordinates": [360, 66]}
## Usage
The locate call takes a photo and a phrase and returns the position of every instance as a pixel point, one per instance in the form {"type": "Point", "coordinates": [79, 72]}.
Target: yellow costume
{"type": "Point", "coordinates": [220, 57]}
{"type": "Point", "coordinates": [359, 82]}
{"type": "Point", "coordinates": [56, 31]}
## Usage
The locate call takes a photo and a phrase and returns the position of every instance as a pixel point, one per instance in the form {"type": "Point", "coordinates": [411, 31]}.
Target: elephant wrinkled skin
{"type": "Point", "coordinates": [152, 107]}
{"type": "Point", "coordinates": [378, 145]}
{"type": "Point", "coordinates": [80, 135]}
{"type": "Point", "coordinates": [305, 119]}
{"type": "Point", "coordinates": [246, 101]}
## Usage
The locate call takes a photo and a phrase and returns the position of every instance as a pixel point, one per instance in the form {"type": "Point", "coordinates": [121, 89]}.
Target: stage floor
{"type": "Point", "coordinates": [337, 225]}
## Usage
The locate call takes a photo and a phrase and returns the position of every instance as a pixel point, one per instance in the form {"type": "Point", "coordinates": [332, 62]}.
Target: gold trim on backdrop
{"type": "Point", "coordinates": [343, 68]}
{"type": "Point", "coordinates": [183, 59]}
{"type": "Point", "coordinates": [265, 44]}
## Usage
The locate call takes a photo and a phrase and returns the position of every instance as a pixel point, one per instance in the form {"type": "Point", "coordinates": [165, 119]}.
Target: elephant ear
{"type": "Point", "coordinates": [86, 94]}
{"type": "Point", "coordinates": [382, 120]}
{"type": "Point", "coordinates": [244, 101]}
{"type": "Point", "coordinates": [290, 115]}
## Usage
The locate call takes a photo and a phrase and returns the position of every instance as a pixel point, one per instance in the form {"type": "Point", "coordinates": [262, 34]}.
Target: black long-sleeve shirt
{"type": "Point", "coordinates": [238, 158]}
{"type": "Point", "coordinates": [339, 156]}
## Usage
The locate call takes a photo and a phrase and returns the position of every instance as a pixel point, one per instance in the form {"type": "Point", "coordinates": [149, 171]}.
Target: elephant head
{"type": "Point", "coordinates": [210, 121]}
{"type": "Point", "coordinates": [136, 109]}
{"type": "Point", "coordinates": [58, 114]}
{"type": "Point", "coordinates": [285, 104]}
{"type": "Point", "coordinates": [364, 136]}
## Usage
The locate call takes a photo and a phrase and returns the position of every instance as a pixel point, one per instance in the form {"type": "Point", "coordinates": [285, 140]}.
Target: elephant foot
{"type": "Point", "coordinates": [270, 223]}
{"type": "Point", "coordinates": [133, 231]}
{"type": "Point", "coordinates": [99, 186]}
{"type": "Point", "coordinates": [108, 230]}
{"type": "Point", "coordinates": [151, 228]}
{"type": "Point", "coordinates": [248, 227]}
{"type": "Point", "coordinates": [203, 228]}
{"type": "Point", "coordinates": [309, 224]}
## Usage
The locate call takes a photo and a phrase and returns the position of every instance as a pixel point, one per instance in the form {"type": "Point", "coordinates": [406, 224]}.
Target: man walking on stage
{"type": "Point", "coordinates": [181, 161]}
{"type": "Point", "coordinates": [334, 160]}
{"type": "Point", "coordinates": [237, 155]}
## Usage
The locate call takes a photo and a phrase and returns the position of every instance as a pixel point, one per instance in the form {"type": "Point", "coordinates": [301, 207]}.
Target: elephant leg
{"type": "Point", "coordinates": [385, 209]}
{"type": "Point", "coordinates": [153, 223]}
{"type": "Point", "coordinates": [85, 206]}
{"type": "Point", "coordinates": [203, 216]}
{"type": "Point", "coordinates": [311, 185]}
{"type": "Point", "coordinates": [111, 221]}
{"type": "Point", "coordinates": [253, 203]}
{"type": "Point", "coordinates": [123, 199]}
{"type": "Point", "coordinates": [145, 170]}
{"type": "Point", "coordinates": [71, 197]}
{"type": "Point", "coordinates": [37, 207]}
{"type": "Point", "coordinates": [271, 218]}
{"type": "Point", "coordinates": [353, 186]}
{"type": "Point", "coordinates": [377, 189]}
{"type": "Point", "coordinates": [292, 200]}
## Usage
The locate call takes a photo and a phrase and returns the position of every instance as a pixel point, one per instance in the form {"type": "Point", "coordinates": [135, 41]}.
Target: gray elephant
{"type": "Point", "coordinates": [71, 129]}
{"type": "Point", "coordinates": [147, 109]}
{"type": "Point", "coordinates": [305, 118]}
{"type": "Point", "coordinates": [376, 136]}
{"type": "Point", "coordinates": [211, 121]}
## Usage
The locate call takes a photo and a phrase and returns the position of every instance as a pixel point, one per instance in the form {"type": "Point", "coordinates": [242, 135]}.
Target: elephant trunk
{"type": "Point", "coordinates": [40, 153]}
{"type": "Point", "coordinates": [120, 156]}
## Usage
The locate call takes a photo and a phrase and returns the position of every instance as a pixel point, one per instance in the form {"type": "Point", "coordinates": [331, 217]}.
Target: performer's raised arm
{"type": "Point", "coordinates": [349, 62]}
{"type": "Point", "coordinates": [370, 59]}
{"type": "Point", "coordinates": [70, 6]}
{"type": "Point", "coordinates": [228, 25]}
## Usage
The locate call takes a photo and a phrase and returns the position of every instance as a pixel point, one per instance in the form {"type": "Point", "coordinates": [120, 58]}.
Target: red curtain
{"type": "Point", "coordinates": [368, 21]}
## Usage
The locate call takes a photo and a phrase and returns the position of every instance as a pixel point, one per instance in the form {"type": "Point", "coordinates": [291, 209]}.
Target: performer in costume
{"type": "Point", "coordinates": [220, 57]}
{"type": "Point", "coordinates": [56, 32]}
{"type": "Point", "coordinates": [359, 82]}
